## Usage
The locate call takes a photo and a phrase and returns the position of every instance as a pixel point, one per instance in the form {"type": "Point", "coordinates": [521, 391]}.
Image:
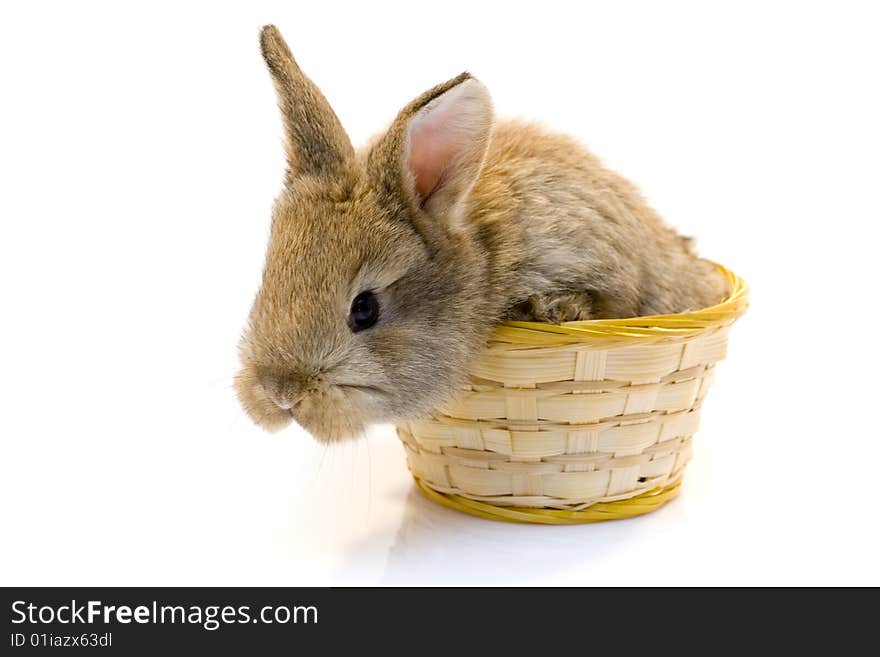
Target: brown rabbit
{"type": "Point", "coordinates": [388, 266]}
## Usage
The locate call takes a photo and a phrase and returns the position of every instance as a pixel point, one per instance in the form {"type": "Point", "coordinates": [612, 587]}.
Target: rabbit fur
{"type": "Point", "coordinates": [454, 222]}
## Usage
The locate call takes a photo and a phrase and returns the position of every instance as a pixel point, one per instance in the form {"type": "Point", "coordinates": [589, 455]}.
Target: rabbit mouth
{"type": "Point", "coordinates": [330, 410]}
{"type": "Point", "coordinates": [371, 390]}
{"type": "Point", "coordinates": [337, 413]}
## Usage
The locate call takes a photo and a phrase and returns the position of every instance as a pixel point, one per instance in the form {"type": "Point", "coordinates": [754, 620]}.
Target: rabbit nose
{"type": "Point", "coordinates": [283, 389]}
{"type": "Point", "coordinates": [283, 399]}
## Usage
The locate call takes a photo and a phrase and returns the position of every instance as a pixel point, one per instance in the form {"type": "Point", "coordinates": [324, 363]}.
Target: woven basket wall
{"type": "Point", "coordinates": [576, 422]}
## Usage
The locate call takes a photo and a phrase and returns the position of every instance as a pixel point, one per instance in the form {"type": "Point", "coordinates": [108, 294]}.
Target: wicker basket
{"type": "Point", "coordinates": [572, 423]}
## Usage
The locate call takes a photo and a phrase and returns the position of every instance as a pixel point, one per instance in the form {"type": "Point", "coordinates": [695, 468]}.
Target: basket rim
{"type": "Point", "coordinates": [648, 328]}
{"type": "Point", "coordinates": [601, 511]}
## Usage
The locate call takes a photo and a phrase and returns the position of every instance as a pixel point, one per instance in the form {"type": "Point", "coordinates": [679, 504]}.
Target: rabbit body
{"type": "Point", "coordinates": [388, 267]}
{"type": "Point", "coordinates": [555, 224]}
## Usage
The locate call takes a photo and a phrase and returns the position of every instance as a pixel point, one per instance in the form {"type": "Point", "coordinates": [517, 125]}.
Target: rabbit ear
{"type": "Point", "coordinates": [316, 142]}
{"type": "Point", "coordinates": [434, 150]}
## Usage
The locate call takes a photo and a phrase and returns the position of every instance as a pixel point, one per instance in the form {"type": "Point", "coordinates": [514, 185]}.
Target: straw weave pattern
{"type": "Point", "coordinates": [567, 423]}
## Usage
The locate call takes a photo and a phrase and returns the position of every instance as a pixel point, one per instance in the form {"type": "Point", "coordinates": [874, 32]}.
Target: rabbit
{"type": "Point", "coordinates": [388, 266]}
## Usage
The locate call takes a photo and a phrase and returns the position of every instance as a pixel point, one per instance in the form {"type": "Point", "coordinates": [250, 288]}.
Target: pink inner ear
{"type": "Point", "coordinates": [435, 140]}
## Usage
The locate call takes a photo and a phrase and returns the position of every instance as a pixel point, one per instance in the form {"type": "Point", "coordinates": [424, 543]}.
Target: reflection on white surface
{"type": "Point", "coordinates": [378, 529]}
{"type": "Point", "coordinates": [436, 545]}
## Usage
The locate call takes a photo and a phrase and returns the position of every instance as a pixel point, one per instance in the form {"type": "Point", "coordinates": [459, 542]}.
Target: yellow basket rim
{"type": "Point", "coordinates": [599, 512]}
{"type": "Point", "coordinates": [633, 329]}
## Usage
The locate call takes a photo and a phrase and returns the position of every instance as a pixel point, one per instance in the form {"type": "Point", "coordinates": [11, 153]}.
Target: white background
{"type": "Point", "coordinates": [139, 157]}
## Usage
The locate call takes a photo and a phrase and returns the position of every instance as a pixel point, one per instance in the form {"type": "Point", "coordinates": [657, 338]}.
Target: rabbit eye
{"type": "Point", "coordinates": [364, 311]}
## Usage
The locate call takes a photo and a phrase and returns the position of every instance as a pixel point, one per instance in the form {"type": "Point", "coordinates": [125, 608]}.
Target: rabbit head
{"type": "Point", "coordinates": [374, 295]}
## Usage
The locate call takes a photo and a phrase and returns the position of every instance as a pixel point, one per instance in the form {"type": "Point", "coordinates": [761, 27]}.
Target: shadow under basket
{"type": "Point", "coordinates": [577, 422]}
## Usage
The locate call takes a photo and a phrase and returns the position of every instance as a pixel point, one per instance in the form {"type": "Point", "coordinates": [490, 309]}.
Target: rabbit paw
{"type": "Point", "coordinates": [554, 308]}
